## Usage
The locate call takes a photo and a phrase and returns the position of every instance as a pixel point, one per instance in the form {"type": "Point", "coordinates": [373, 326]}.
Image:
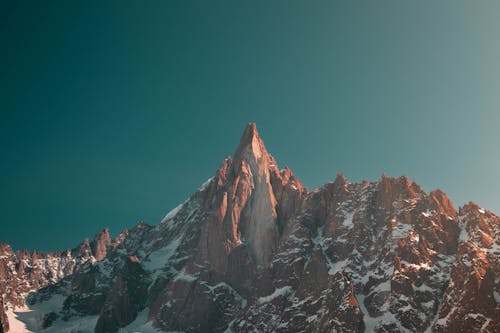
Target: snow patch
{"type": "Point", "coordinates": [236, 295]}
{"type": "Point", "coordinates": [496, 296]}
{"type": "Point", "coordinates": [348, 220]}
{"type": "Point", "coordinates": [424, 265]}
{"type": "Point", "coordinates": [320, 242]}
{"type": "Point", "coordinates": [401, 230]}
{"type": "Point", "coordinates": [159, 258]}
{"type": "Point", "coordinates": [29, 318]}
{"type": "Point", "coordinates": [170, 215]}
{"type": "Point", "coordinates": [183, 276]}
{"type": "Point", "coordinates": [139, 325]}
{"type": "Point", "coordinates": [205, 184]}
{"type": "Point", "coordinates": [427, 213]}
{"type": "Point", "coordinates": [283, 291]}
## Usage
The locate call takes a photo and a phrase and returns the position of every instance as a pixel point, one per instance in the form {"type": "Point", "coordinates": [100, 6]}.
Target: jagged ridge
{"type": "Point", "coordinates": [254, 250]}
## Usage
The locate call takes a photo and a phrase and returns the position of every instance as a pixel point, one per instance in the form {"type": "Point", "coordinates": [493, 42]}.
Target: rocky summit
{"type": "Point", "coordinates": [253, 250]}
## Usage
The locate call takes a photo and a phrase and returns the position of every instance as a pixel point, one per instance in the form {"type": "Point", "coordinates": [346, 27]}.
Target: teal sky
{"type": "Point", "coordinates": [115, 112]}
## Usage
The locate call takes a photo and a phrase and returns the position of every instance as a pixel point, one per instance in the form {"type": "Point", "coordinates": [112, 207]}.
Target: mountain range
{"type": "Point", "coordinates": [254, 250]}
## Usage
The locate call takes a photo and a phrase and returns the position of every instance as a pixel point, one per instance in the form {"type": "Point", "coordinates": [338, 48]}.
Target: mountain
{"type": "Point", "coordinates": [22, 272]}
{"type": "Point", "coordinates": [253, 250]}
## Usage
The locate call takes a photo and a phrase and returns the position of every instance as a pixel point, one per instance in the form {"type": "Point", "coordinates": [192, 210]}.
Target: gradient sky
{"type": "Point", "coordinates": [115, 112]}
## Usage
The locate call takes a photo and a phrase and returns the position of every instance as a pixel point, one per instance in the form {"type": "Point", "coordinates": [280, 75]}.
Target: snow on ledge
{"type": "Point", "coordinates": [205, 184]}
{"type": "Point", "coordinates": [283, 291]}
{"type": "Point", "coordinates": [170, 215]}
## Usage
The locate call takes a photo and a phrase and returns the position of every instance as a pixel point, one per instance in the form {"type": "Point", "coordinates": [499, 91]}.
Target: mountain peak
{"type": "Point", "coordinates": [246, 203]}
{"type": "Point", "coordinates": [251, 128]}
{"type": "Point", "coordinates": [249, 134]}
{"type": "Point", "coordinates": [261, 253]}
{"type": "Point", "coordinates": [251, 145]}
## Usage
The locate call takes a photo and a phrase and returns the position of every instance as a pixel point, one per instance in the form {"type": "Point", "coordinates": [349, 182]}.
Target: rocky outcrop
{"type": "Point", "coordinates": [243, 200]}
{"type": "Point", "coordinates": [471, 302]}
{"type": "Point", "coordinates": [101, 244]}
{"type": "Point", "coordinates": [253, 250]}
{"type": "Point", "coordinates": [126, 297]}
{"type": "Point", "coordinates": [23, 272]}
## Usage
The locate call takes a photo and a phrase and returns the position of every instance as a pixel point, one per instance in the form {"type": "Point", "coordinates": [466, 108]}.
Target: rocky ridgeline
{"type": "Point", "coordinates": [253, 250]}
{"type": "Point", "coordinates": [22, 272]}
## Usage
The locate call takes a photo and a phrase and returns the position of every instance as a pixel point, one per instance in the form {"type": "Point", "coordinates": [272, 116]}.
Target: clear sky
{"type": "Point", "coordinates": [114, 112]}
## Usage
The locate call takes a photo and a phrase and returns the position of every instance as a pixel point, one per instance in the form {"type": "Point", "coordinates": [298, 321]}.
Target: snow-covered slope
{"type": "Point", "coordinates": [253, 250]}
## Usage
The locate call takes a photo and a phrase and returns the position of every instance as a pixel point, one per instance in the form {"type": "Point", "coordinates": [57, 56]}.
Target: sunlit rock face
{"type": "Point", "coordinates": [471, 302]}
{"type": "Point", "coordinates": [101, 244]}
{"type": "Point", "coordinates": [253, 250]}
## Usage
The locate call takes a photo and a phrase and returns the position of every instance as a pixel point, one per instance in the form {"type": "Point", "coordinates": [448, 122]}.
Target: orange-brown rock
{"type": "Point", "coordinates": [253, 250]}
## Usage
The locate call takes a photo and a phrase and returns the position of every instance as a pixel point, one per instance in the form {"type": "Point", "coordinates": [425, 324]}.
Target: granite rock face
{"type": "Point", "coordinates": [253, 250]}
{"type": "Point", "coordinates": [471, 301]}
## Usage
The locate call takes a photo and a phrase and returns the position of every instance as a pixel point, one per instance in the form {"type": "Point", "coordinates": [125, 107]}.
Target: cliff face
{"type": "Point", "coordinates": [471, 301]}
{"type": "Point", "coordinates": [253, 250]}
